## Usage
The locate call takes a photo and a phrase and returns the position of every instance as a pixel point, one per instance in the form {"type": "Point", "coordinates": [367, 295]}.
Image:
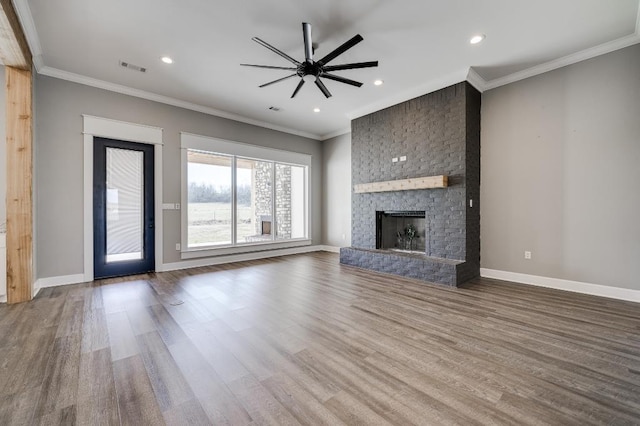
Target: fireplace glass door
{"type": "Point", "coordinates": [401, 230]}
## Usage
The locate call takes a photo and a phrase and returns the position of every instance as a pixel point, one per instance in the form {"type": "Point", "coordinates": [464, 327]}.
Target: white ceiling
{"type": "Point", "coordinates": [422, 45]}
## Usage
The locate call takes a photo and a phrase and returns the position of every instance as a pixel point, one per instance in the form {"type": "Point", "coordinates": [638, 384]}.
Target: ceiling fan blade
{"type": "Point", "coordinates": [298, 87]}
{"type": "Point", "coordinates": [270, 67]}
{"type": "Point", "coordinates": [323, 88]}
{"type": "Point", "coordinates": [341, 79]}
{"type": "Point", "coordinates": [277, 81]}
{"type": "Point", "coordinates": [351, 66]}
{"type": "Point", "coordinates": [341, 49]}
{"type": "Point", "coordinates": [308, 45]}
{"type": "Point", "coordinates": [274, 50]}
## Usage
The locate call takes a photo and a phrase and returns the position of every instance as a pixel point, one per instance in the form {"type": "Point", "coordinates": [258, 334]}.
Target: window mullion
{"type": "Point", "coordinates": [234, 201]}
{"type": "Point", "coordinates": [274, 220]}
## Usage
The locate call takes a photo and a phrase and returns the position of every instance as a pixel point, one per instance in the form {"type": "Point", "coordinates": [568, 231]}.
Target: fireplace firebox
{"type": "Point", "coordinates": [402, 230]}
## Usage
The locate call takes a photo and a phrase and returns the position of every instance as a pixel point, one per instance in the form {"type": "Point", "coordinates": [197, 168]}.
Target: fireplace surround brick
{"type": "Point", "coordinates": [440, 135]}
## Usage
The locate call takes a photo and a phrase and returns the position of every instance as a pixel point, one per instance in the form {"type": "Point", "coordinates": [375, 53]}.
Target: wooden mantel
{"type": "Point", "coordinates": [426, 182]}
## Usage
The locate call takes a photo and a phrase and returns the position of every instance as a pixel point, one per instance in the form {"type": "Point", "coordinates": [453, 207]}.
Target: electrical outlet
{"type": "Point", "coordinates": [403, 158]}
{"type": "Point", "coordinates": [527, 255]}
{"type": "Point", "coordinates": [394, 160]}
{"type": "Point", "coordinates": [178, 246]}
{"type": "Point", "coordinates": [177, 206]}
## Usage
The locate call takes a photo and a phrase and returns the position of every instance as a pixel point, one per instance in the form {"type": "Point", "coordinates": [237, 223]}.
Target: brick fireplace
{"type": "Point", "coordinates": [438, 134]}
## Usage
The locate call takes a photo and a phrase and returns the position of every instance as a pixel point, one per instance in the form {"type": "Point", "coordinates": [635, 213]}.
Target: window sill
{"type": "Point", "coordinates": [245, 248]}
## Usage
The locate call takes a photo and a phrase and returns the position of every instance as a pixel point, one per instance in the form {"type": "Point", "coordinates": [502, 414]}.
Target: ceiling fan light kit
{"type": "Point", "coordinates": [311, 69]}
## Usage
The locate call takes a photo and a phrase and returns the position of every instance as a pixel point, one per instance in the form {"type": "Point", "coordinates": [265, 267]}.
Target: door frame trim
{"type": "Point", "coordinates": [130, 132]}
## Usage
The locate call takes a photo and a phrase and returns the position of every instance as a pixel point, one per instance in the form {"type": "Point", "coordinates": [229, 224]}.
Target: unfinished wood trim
{"type": "Point", "coordinates": [14, 49]}
{"type": "Point", "coordinates": [426, 182]}
{"type": "Point", "coordinates": [19, 186]}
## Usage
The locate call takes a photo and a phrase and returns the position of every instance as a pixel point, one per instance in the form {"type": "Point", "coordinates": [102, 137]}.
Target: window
{"type": "Point", "coordinates": [209, 199]}
{"type": "Point", "coordinates": [237, 197]}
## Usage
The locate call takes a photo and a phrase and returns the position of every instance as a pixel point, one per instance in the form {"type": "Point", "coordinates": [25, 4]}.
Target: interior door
{"type": "Point", "coordinates": [123, 208]}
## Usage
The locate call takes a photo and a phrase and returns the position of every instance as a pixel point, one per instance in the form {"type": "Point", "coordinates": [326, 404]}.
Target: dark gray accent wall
{"type": "Point", "coordinates": [439, 133]}
{"type": "Point", "coordinates": [471, 267]}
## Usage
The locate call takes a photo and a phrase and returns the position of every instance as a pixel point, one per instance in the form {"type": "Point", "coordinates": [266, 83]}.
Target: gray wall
{"type": "Point", "coordinates": [59, 163]}
{"type": "Point", "coordinates": [336, 185]}
{"type": "Point", "coordinates": [561, 173]}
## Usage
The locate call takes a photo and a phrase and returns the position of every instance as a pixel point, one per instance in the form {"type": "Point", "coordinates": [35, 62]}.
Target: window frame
{"type": "Point", "coordinates": [189, 141]}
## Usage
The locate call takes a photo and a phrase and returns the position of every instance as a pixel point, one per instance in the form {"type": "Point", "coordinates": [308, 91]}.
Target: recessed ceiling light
{"type": "Point", "coordinates": [166, 60]}
{"type": "Point", "coordinates": [378, 82]}
{"type": "Point", "coordinates": [477, 39]}
{"type": "Point", "coordinates": [316, 110]}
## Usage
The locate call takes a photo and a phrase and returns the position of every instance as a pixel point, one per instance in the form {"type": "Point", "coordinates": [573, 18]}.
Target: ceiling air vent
{"type": "Point", "coordinates": [132, 67]}
{"type": "Point", "coordinates": [274, 108]}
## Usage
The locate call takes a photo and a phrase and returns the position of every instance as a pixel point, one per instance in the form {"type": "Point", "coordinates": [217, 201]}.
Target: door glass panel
{"type": "Point", "coordinates": [254, 192]}
{"type": "Point", "coordinates": [125, 205]}
{"type": "Point", "coordinates": [209, 199]}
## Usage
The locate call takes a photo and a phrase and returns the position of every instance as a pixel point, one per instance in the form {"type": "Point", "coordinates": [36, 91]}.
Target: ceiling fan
{"type": "Point", "coordinates": [318, 69]}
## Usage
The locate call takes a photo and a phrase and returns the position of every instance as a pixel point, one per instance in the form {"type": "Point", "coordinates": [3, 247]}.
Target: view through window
{"type": "Point", "coordinates": [234, 200]}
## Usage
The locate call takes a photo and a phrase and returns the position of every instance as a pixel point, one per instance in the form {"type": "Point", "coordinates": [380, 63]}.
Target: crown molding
{"type": "Point", "coordinates": [565, 61]}
{"type": "Point", "coordinates": [470, 75]}
{"type": "Point", "coordinates": [414, 92]}
{"type": "Point", "coordinates": [29, 28]}
{"type": "Point", "coordinates": [476, 81]}
{"type": "Point", "coordinates": [38, 62]}
{"type": "Point", "coordinates": [126, 90]}
{"type": "Point", "coordinates": [620, 43]}
{"type": "Point", "coordinates": [336, 133]}
{"type": "Point", "coordinates": [638, 20]}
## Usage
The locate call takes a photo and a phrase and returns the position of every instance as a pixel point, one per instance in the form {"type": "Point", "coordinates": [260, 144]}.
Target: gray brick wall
{"type": "Point", "coordinates": [283, 201]}
{"type": "Point", "coordinates": [262, 177]}
{"type": "Point", "coordinates": [405, 265]}
{"type": "Point", "coordinates": [471, 268]}
{"type": "Point", "coordinates": [262, 193]}
{"type": "Point", "coordinates": [440, 135]}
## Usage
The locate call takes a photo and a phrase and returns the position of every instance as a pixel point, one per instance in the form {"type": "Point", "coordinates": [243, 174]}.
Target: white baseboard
{"type": "Point", "coordinates": [209, 261]}
{"type": "Point", "coordinates": [567, 285]}
{"type": "Point", "coordinates": [79, 278]}
{"type": "Point", "coordinates": [56, 281]}
{"type": "Point", "coordinates": [332, 249]}
{"type": "Point", "coordinates": [50, 282]}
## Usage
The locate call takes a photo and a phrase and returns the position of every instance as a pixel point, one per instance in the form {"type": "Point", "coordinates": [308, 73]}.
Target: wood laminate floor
{"type": "Point", "coordinates": [304, 340]}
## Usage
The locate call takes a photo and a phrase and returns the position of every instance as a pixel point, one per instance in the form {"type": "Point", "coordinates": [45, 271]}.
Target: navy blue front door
{"type": "Point", "coordinates": [123, 208]}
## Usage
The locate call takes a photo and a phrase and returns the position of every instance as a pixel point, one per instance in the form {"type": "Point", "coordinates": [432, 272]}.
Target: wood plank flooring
{"type": "Point", "coordinates": [304, 340]}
